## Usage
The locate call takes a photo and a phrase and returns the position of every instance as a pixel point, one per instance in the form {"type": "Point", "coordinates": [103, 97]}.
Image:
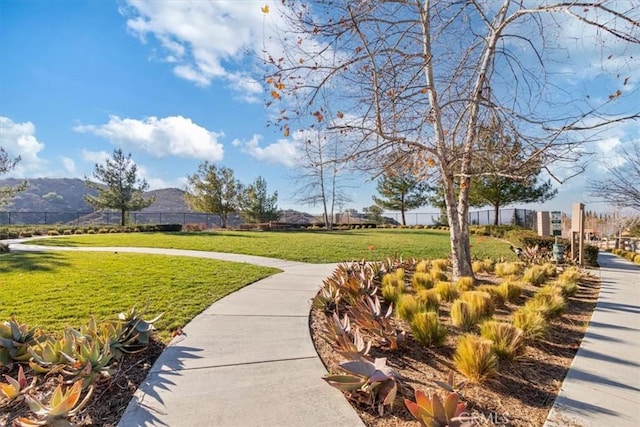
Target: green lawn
{"type": "Point", "coordinates": [305, 246]}
{"type": "Point", "coordinates": [53, 289]}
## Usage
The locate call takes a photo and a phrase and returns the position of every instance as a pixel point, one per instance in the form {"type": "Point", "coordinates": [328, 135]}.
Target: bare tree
{"type": "Point", "coordinates": [319, 178]}
{"type": "Point", "coordinates": [622, 186]}
{"type": "Point", "coordinates": [417, 78]}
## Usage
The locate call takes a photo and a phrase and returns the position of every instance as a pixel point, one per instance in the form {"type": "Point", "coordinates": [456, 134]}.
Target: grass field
{"type": "Point", "coordinates": [305, 246]}
{"type": "Point", "coordinates": [53, 289]}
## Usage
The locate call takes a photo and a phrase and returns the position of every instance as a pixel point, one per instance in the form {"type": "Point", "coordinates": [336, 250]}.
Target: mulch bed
{"type": "Point", "coordinates": [110, 397]}
{"type": "Point", "coordinates": [520, 395]}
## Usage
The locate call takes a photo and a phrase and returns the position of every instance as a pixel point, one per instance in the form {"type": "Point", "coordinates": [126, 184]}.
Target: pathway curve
{"type": "Point", "coordinates": [247, 360]}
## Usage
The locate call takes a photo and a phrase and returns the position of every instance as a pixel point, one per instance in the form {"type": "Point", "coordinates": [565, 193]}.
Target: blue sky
{"type": "Point", "coordinates": [170, 82]}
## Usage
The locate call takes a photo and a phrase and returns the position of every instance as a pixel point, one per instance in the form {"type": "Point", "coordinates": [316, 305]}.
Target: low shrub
{"type": "Point", "coordinates": [533, 324]}
{"type": "Point", "coordinates": [427, 329]}
{"type": "Point", "coordinates": [507, 340]}
{"type": "Point", "coordinates": [447, 291]}
{"type": "Point", "coordinates": [475, 359]}
{"type": "Point", "coordinates": [53, 233]}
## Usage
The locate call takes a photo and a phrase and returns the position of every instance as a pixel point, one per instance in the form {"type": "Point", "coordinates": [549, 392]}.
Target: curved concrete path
{"type": "Point", "coordinates": [247, 360]}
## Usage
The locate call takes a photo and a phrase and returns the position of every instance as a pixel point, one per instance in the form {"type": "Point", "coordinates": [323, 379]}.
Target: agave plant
{"type": "Point", "coordinates": [436, 413]}
{"type": "Point", "coordinates": [371, 381]}
{"type": "Point", "coordinates": [89, 361]}
{"type": "Point", "coordinates": [328, 297]}
{"type": "Point", "coordinates": [63, 404]}
{"type": "Point", "coordinates": [450, 384]}
{"type": "Point", "coordinates": [48, 356]}
{"type": "Point", "coordinates": [135, 327]}
{"type": "Point", "coordinates": [339, 335]}
{"type": "Point", "coordinates": [15, 339]}
{"type": "Point", "coordinates": [15, 387]}
{"type": "Point", "coordinates": [368, 314]}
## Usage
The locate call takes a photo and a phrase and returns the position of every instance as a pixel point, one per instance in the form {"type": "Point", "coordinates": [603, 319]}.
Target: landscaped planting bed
{"type": "Point", "coordinates": [513, 353]}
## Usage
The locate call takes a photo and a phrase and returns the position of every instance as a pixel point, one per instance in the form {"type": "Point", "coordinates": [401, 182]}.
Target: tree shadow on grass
{"type": "Point", "coordinates": [32, 261]}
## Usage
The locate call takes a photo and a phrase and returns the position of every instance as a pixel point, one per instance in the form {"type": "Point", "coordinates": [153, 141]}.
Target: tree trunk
{"type": "Point", "coordinates": [496, 213]}
{"type": "Point", "coordinates": [404, 222]}
{"type": "Point", "coordinates": [123, 217]}
{"type": "Point", "coordinates": [457, 214]}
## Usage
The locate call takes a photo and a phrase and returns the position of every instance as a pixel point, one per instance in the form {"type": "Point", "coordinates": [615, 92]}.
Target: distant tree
{"type": "Point", "coordinates": [256, 205]}
{"type": "Point", "coordinates": [118, 186]}
{"type": "Point", "coordinates": [320, 180]}
{"type": "Point", "coordinates": [401, 193]}
{"type": "Point", "coordinates": [621, 188]}
{"type": "Point", "coordinates": [214, 190]}
{"type": "Point", "coordinates": [6, 165]}
{"type": "Point", "coordinates": [374, 214]}
{"type": "Point", "coordinates": [500, 191]}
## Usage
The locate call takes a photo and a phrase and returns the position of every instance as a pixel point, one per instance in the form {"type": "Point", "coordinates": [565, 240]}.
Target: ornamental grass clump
{"type": "Point", "coordinates": [474, 358]}
{"type": "Point", "coordinates": [407, 306]}
{"type": "Point", "coordinates": [465, 284]}
{"type": "Point", "coordinates": [506, 269]}
{"type": "Point", "coordinates": [429, 298]}
{"type": "Point", "coordinates": [496, 296]}
{"type": "Point", "coordinates": [548, 301]}
{"type": "Point", "coordinates": [480, 303]}
{"type": "Point", "coordinates": [532, 323]}
{"type": "Point", "coordinates": [509, 290]}
{"type": "Point", "coordinates": [478, 267]}
{"type": "Point", "coordinates": [440, 264]}
{"type": "Point", "coordinates": [535, 275]}
{"type": "Point", "coordinates": [427, 329]}
{"type": "Point", "coordinates": [447, 291]}
{"type": "Point", "coordinates": [422, 281]}
{"type": "Point", "coordinates": [423, 266]}
{"type": "Point", "coordinates": [550, 269]}
{"type": "Point", "coordinates": [507, 340]}
{"type": "Point", "coordinates": [569, 276]}
{"type": "Point", "coordinates": [462, 316]}
{"type": "Point", "coordinates": [438, 275]}
{"type": "Point", "coordinates": [393, 285]}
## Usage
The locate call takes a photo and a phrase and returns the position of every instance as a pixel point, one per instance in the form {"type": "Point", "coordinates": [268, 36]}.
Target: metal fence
{"type": "Point", "coordinates": [522, 217]}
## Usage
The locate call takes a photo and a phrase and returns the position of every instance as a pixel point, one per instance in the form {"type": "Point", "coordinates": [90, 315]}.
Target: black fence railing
{"type": "Point", "coordinates": [522, 217]}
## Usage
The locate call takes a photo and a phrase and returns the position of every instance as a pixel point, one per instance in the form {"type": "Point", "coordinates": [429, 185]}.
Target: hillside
{"type": "Point", "coordinates": [54, 195]}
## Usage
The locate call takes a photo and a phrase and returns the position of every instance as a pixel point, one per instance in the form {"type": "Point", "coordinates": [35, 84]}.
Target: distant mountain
{"type": "Point", "coordinates": [67, 195]}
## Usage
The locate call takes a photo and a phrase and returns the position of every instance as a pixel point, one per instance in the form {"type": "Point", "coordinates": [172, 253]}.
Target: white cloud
{"type": "Point", "coordinates": [283, 152]}
{"type": "Point", "coordinates": [168, 136]}
{"type": "Point", "coordinates": [19, 139]}
{"type": "Point", "coordinates": [202, 38]}
{"type": "Point", "coordinates": [95, 156]}
{"type": "Point", "coordinates": [69, 165]}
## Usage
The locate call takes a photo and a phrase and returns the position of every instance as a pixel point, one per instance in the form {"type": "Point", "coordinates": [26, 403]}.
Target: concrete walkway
{"type": "Point", "coordinates": [248, 359]}
{"type": "Point", "coordinates": [602, 388]}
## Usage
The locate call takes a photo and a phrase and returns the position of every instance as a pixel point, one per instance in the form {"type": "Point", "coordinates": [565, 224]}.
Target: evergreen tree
{"type": "Point", "coordinates": [6, 165]}
{"type": "Point", "coordinates": [256, 205]}
{"type": "Point", "coordinates": [214, 190]}
{"type": "Point", "coordinates": [401, 193]}
{"type": "Point", "coordinates": [118, 186]}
